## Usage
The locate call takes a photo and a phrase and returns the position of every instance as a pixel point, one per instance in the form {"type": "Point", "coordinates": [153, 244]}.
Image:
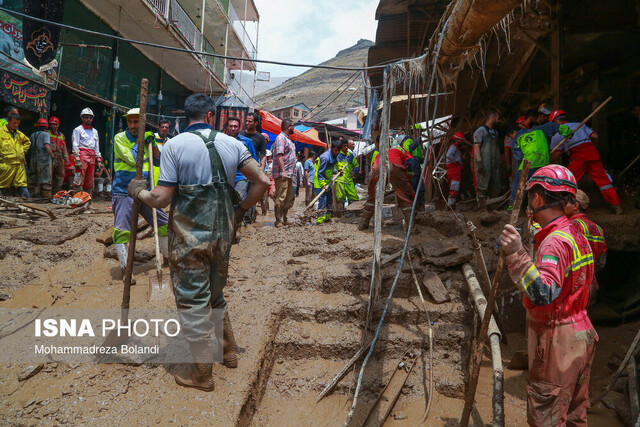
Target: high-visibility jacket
{"type": "Point", "coordinates": [417, 152]}
{"type": "Point", "coordinates": [594, 235]}
{"type": "Point", "coordinates": [124, 161]}
{"type": "Point", "coordinates": [556, 286]}
{"type": "Point", "coordinates": [351, 161]}
{"type": "Point", "coordinates": [534, 148]}
{"type": "Point", "coordinates": [325, 166]}
{"type": "Point", "coordinates": [374, 156]}
{"type": "Point", "coordinates": [13, 146]}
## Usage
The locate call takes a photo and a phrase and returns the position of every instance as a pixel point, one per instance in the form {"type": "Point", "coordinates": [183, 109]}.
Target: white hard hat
{"type": "Point", "coordinates": [86, 112]}
{"type": "Point", "coordinates": [133, 112]}
{"type": "Point", "coordinates": [268, 153]}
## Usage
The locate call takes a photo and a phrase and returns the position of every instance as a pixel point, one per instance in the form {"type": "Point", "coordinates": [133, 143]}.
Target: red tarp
{"type": "Point", "coordinates": [272, 124]}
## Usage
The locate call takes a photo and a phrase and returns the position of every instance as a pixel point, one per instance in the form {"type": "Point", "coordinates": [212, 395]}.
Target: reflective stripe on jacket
{"type": "Point", "coordinates": [556, 287]}
{"type": "Point", "coordinates": [124, 161]}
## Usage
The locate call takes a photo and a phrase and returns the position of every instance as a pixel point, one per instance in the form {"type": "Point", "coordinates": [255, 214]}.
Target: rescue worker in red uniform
{"type": "Point", "coordinates": [454, 167]}
{"type": "Point", "coordinates": [584, 157]}
{"type": "Point", "coordinates": [561, 338]}
{"type": "Point", "coordinates": [59, 148]}
{"type": "Point", "coordinates": [399, 177]}
{"type": "Point", "coordinates": [592, 232]}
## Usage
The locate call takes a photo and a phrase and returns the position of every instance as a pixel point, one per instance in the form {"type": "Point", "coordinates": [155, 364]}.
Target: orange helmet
{"type": "Point", "coordinates": [42, 123]}
{"type": "Point", "coordinates": [53, 120]}
{"type": "Point", "coordinates": [554, 178]}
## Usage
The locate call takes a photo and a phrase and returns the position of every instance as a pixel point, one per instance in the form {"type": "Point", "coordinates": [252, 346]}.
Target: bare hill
{"type": "Point", "coordinates": [313, 86]}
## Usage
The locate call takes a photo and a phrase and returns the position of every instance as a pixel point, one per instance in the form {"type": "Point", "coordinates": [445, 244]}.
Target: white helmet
{"type": "Point", "coordinates": [268, 154]}
{"type": "Point", "coordinates": [86, 112]}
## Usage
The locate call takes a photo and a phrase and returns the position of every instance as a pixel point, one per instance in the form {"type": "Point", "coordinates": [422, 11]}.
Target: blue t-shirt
{"type": "Point", "coordinates": [252, 150]}
{"type": "Point", "coordinates": [310, 169]}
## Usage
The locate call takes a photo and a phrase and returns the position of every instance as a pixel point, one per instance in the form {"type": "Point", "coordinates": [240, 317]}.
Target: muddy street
{"type": "Point", "coordinates": [298, 297]}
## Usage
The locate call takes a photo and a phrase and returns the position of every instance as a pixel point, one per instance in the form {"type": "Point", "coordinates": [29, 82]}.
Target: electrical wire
{"type": "Point", "coordinates": [406, 242]}
{"type": "Point", "coordinates": [329, 96]}
{"type": "Point", "coordinates": [193, 51]}
{"type": "Point", "coordinates": [334, 99]}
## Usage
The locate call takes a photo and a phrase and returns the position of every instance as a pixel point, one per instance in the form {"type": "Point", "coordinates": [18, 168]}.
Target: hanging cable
{"type": "Point", "coordinates": [192, 51]}
{"type": "Point", "coordinates": [347, 81]}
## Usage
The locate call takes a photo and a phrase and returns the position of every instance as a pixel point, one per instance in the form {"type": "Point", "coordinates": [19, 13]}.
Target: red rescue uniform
{"type": "Point", "coordinates": [595, 236]}
{"type": "Point", "coordinates": [397, 175]}
{"type": "Point", "coordinates": [561, 342]}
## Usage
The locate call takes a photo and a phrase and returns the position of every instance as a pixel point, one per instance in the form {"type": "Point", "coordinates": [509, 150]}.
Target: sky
{"type": "Point", "coordinates": [311, 31]}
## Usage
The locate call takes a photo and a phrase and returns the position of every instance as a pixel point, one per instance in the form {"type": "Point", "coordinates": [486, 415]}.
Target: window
{"type": "Point", "coordinates": [296, 113]}
{"type": "Point", "coordinates": [287, 114]}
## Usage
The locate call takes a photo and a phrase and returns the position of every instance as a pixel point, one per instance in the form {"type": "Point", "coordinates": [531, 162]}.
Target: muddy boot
{"type": "Point", "coordinates": [122, 249]}
{"type": "Point", "coordinates": [199, 376]}
{"type": "Point", "coordinates": [229, 357]}
{"type": "Point", "coordinates": [46, 193]}
{"type": "Point", "coordinates": [618, 210]}
{"type": "Point", "coordinates": [364, 221]}
{"type": "Point", "coordinates": [406, 215]}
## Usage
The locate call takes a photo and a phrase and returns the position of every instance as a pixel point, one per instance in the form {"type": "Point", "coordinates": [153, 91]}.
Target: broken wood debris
{"type": "Point", "coordinates": [28, 207]}
{"type": "Point", "coordinates": [435, 287]}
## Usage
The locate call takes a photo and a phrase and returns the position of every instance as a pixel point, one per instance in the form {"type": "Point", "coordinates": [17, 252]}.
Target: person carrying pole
{"type": "Point", "coordinates": [555, 286]}
{"type": "Point", "coordinates": [125, 150]}
{"type": "Point", "coordinates": [399, 179]}
{"type": "Point", "coordinates": [325, 168]}
{"type": "Point", "coordinates": [584, 157]}
{"type": "Point", "coordinates": [197, 169]}
{"type": "Point", "coordinates": [345, 187]}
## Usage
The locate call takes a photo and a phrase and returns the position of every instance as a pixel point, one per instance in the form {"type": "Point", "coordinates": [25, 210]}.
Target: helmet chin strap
{"type": "Point", "coordinates": [543, 207]}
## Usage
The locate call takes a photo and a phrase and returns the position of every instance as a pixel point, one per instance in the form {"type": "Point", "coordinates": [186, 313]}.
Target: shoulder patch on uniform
{"type": "Point", "coordinates": [549, 260]}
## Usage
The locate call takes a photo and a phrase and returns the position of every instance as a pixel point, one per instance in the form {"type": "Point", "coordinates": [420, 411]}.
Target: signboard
{"type": "Point", "coordinates": [40, 40]}
{"type": "Point", "coordinates": [12, 52]}
{"type": "Point", "coordinates": [23, 93]}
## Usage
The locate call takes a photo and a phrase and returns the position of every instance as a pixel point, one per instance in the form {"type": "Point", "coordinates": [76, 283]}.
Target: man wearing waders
{"type": "Point", "coordinates": [486, 152]}
{"type": "Point", "coordinates": [197, 169]}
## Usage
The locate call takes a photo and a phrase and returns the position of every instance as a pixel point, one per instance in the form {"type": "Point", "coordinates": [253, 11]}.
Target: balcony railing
{"type": "Point", "coordinates": [242, 33]}
{"type": "Point", "coordinates": [161, 7]}
{"type": "Point", "coordinates": [181, 20]}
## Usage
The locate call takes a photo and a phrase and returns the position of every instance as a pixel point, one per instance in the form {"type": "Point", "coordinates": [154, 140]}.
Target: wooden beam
{"type": "Point", "coordinates": [556, 51]}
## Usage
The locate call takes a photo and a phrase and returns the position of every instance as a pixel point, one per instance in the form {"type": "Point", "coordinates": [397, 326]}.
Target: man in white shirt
{"type": "Point", "coordinates": [86, 149]}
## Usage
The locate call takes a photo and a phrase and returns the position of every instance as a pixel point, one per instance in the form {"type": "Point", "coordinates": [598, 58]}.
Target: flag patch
{"type": "Point", "coordinates": [549, 260]}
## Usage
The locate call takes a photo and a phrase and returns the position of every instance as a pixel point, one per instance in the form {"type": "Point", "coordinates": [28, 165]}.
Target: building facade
{"type": "Point", "coordinates": [294, 112]}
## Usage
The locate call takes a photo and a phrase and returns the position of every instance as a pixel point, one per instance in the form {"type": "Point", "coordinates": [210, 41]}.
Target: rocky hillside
{"type": "Point", "coordinates": [313, 86]}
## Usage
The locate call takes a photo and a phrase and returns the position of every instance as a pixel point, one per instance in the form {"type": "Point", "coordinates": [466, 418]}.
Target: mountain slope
{"type": "Point", "coordinates": [314, 85]}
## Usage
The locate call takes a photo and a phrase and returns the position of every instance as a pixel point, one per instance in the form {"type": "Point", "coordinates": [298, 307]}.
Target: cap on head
{"type": "Point", "coordinates": [86, 112]}
{"type": "Point", "coordinates": [458, 135]}
{"type": "Point", "coordinates": [582, 199]}
{"type": "Point", "coordinates": [133, 112]}
{"type": "Point", "coordinates": [556, 114]}
{"type": "Point", "coordinates": [554, 178]}
{"type": "Point", "coordinates": [42, 123]}
{"type": "Point", "coordinates": [53, 120]}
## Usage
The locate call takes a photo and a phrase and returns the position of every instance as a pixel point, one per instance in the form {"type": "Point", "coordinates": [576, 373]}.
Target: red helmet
{"type": "Point", "coordinates": [555, 114]}
{"type": "Point", "coordinates": [42, 122]}
{"type": "Point", "coordinates": [520, 120]}
{"type": "Point", "coordinates": [554, 178]}
{"type": "Point", "coordinates": [53, 120]}
{"type": "Point", "coordinates": [459, 135]}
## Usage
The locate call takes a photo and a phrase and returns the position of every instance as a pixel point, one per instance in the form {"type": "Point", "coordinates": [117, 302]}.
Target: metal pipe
{"type": "Point", "coordinates": [480, 303]}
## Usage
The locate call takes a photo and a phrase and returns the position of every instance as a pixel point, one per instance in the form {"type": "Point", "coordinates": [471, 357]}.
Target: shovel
{"type": "Point", "coordinates": [159, 286]}
{"type": "Point", "coordinates": [114, 339]}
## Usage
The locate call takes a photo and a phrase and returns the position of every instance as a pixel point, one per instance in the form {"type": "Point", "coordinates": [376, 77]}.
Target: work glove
{"type": "Point", "coordinates": [565, 131]}
{"type": "Point", "coordinates": [480, 166]}
{"type": "Point", "coordinates": [511, 241]}
{"type": "Point", "coordinates": [136, 186]}
{"type": "Point", "coordinates": [238, 213]}
{"type": "Point", "coordinates": [150, 138]}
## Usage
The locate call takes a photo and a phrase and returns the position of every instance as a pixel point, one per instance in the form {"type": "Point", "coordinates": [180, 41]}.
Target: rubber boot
{"type": "Point", "coordinates": [46, 193]}
{"type": "Point", "coordinates": [364, 221]}
{"type": "Point", "coordinates": [406, 215]}
{"type": "Point", "coordinates": [229, 357]}
{"type": "Point", "coordinates": [24, 192]}
{"type": "Point", "coordinates": [200, 375]}
{"type": "Point", "coordinates": [122, 249]}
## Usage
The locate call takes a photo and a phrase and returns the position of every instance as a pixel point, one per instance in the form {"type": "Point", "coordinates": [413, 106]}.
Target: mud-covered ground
{"type": "Point", "coordinates": [297, 298]}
